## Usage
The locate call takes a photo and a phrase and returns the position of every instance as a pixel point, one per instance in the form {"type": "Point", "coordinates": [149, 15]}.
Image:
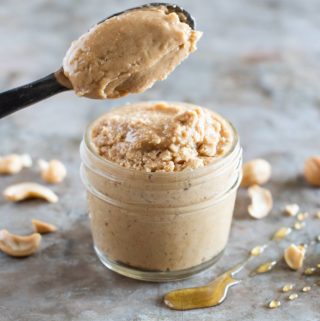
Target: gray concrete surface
{"type": "Point", "coordinates": [258, 64]}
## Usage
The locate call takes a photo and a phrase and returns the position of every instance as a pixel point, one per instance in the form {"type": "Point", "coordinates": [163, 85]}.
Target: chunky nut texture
{"type": "Point", "coordinates": [256, 171]}
{"type": "Point", "coordinates": [261, 201]}
{"type": "Point", "coordinates": [43, 227]}
{"type": "Point", "coordinates": [312, 170]}
{"type": "Point", "coordinates": [19, 246]}
{"type": "Point", "coordinates": [23, 191]}
{"type": "Point", "coordinates": [14, 163]}
{"type": "Point", "coordinates": [52, 172]}
{"type": "Point", "coordinates": [161, 137]}
{"type": "Point", "coordinates": [294, 256]}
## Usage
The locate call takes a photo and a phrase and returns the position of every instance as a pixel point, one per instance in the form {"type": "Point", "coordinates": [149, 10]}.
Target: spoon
{"type": "Point", "coordinates": [55, 83]}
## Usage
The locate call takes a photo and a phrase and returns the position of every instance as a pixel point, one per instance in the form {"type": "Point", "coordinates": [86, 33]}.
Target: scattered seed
{"type": "Point", "coordinates": [287, 287]}
{"type": "Point", "coordinates": [306, 288]}
{"type": "Point", "coordinates": [293, 296]}
{"type": "Point", "coordinates": [299, 225]}
{"type": "Point", "coordinates": [309, 271]}
{"type": "Point", "coordinates": [274, 304]}
{"type": "Point", "coordinates": [302, 216]}
{"type": "Point", "coordinates": [291, 209]}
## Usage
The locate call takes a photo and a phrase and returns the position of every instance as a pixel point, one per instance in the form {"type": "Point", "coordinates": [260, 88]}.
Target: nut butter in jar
{"type": "Point", "coordinates": [161, 180]}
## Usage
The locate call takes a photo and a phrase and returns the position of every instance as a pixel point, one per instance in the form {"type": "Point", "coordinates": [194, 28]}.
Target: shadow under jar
{"type": "Point", "coordinates": [160, 226]}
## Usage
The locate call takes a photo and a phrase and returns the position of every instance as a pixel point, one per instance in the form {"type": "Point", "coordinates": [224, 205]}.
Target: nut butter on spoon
{"type": "Point", "coordinates": [124, 53]}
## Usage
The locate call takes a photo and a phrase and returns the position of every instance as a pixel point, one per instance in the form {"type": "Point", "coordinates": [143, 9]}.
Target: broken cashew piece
{"type": "Point", "coordinates": [261, 201]}
{"type": "Point", "coordinates": [19, 246]}
{"type": "Point", "coordinates": [255, 172]}
{"type": "Point", "coordinates": [14, 163]}
{"type": "Point", "coordinates": [291, 209]}
{"type": "Point", "coordinates": [294, 256]}
{"type": "Point", "coordinates": [52, 172]}
{"type": "Point", "coordinates": [23, 191]}
{"type": "Point", "coordinates": [43, 227]}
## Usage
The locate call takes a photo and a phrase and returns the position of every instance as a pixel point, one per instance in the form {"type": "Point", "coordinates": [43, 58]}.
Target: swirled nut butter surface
{"type": "Point", "coordinates": [161, 137]}
{"type": "Point", "coordinates": [128, 53]}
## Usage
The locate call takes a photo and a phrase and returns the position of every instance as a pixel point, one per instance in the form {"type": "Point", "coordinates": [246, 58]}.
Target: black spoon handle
{"type": "Point", "coordinates": [20, 97]}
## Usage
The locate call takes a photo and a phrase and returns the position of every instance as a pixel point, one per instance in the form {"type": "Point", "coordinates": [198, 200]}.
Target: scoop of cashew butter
{"type": "Point", "coordinates": [128, 53]}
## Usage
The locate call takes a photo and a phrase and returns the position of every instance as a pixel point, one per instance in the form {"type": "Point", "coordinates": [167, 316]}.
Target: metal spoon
{"type": "Point", "coordinates": [23, 96]}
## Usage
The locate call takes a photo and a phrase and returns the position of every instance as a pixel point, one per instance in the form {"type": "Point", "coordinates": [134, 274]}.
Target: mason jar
{"type": "Point", "coordinates": [160, 226]}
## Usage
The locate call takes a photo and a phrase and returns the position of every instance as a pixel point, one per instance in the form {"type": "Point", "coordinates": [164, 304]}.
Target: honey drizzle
{"type": "Point", "coordinates": [258, 250]}
{"type": "Point", "coordinates": [210, 295]}
{"type": "Point", "coordinates": [281, 233]}
{"type": "Point", "coordinates": [264, 268]}
{"type": "Point", "coordinates": [215, 292]}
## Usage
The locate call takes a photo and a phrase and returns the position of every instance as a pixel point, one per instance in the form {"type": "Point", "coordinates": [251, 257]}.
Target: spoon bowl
{"type": "Point", "coordinates": [183, 14]}
{"type": "Point", "coordinates": [26, 95]}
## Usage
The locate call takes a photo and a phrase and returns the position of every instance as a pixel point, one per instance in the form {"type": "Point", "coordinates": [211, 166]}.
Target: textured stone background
{"type": "Point", "coordinates": [258, 64]}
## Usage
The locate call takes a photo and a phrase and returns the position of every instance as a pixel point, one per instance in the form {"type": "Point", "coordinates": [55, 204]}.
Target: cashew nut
{"type": "Point", "coordinates": [14, 163]}
{"type": "Point", "coordinates": [291, 209]}
{"type": "Point", "coordinates": [23, 191]}
{"type": "Point", "coordinates": [256, 171]}
{"type": "Point", "coordinates": [16, 245]}
{"type": "Point", "coordinates": [52, 172]}
{"type": "Point", "coordinates": [261, 201]}
{"type": "Point", "coordinates": [43, 227]}
{"type": "Point", "coordinates": [312, 171]}
{"type": "Point", "coordinates": [294, 256]}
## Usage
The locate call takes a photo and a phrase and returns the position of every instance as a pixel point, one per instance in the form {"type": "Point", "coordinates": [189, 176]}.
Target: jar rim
{"type": "Point", "coordinates": [215, 163]}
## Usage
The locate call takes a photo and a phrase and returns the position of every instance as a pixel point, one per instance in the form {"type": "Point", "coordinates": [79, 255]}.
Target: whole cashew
{"type": "Point", "coordinates": [22, 191]}
{"type": "Point", "coordinates": [14, 163]}
{"type": "Point", "coordinates": [52, 172]}
{"type": "Point", "coordinates": [19, 246]}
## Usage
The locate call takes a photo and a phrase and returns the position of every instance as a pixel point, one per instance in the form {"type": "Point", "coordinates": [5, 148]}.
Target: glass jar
{"type": "Point", "coordinates": [160, 226]}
